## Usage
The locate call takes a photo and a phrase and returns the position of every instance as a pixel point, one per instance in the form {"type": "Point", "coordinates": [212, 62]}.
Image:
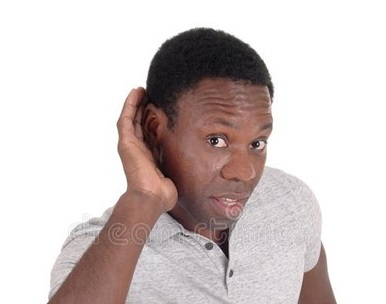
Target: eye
{"type": "Point", "coordinates": [258, 144]}
{"type": "Point", "coordinates": [217, 142]}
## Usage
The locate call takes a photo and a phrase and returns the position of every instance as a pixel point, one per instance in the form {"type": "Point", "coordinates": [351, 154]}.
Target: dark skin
{"type": "Point", "coordinates": [316, 287]}
{"type": "Point", "coordinates": [216, 152]}
{"type": "Point", "coordinates": [201, 171]}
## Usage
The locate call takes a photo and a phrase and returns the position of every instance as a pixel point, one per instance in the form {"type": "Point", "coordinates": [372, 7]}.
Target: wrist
{"type": "Point", "coordinates": [145, 202]}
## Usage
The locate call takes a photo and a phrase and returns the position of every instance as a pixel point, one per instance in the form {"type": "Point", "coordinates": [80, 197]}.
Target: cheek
{"type": "Point", "coordinates": [194, 167]}
{"type": "Point", "coordinates": [204, 163]}
{"type": "Point", "coordinates": [179, 165]}
{"type": "Point", "coordinates": [191, 171]}
{"type": "Point", "coordinates": [259, 165]}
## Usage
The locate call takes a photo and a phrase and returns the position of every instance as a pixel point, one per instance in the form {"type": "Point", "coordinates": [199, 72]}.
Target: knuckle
{"type": "Point", "coordinates": [119, 123]}
{"type": "Point", "coordinates": [121, 147]}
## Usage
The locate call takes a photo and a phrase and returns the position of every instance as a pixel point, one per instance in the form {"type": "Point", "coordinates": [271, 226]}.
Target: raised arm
{"type": "Point", "coordinates": [104, 272]}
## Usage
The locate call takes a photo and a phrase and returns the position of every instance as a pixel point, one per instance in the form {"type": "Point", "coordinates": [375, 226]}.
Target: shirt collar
{"type": "Point", "coordinates": [165, 228]}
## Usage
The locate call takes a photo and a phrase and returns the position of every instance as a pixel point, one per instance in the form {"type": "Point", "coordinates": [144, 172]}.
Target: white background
{"type": "Point", "coordinates": [65, 70]}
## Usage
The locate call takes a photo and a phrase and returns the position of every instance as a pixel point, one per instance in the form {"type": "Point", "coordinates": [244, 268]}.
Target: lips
{"type": "Point", "coordinates": [240, 196]}
{"type": "Point", "coordinates": [229, 206]}
{"type": "Point", "coordinates": [231, 199]}
{"type": "Point", "coordinates": [228, 201]}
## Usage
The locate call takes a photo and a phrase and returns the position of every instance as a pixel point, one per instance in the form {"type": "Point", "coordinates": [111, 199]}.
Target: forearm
{"type": "Point", "coordinates": [104, 273]}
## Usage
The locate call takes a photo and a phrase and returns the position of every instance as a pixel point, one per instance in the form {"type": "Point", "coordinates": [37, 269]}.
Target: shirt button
{"type": "Point", "coordinates": [231, 273]}
{"type": "Point", "coordinates": [209, 246]}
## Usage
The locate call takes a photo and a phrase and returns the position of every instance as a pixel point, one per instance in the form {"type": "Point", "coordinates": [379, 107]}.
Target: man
{"type": "Point", "coordinates": [202, 219]}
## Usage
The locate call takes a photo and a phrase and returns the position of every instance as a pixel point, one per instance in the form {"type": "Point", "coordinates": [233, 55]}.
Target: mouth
{"type": "Point", "coordinates": [232, 198]}
{"type": "Point", "coordinates": [230, 205]}
{"type": "Point", "coordinates": [229, 201]}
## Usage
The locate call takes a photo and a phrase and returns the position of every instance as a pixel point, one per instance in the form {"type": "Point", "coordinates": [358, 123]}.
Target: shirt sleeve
{"type": "Point", "coordinates": [313, 227]}
{"type": "Point", "coordinates": [311, 218]}
{"type": "Point", "coordinates": [77, 243]}
{"type": "Point", "coordinates": [67, 259]}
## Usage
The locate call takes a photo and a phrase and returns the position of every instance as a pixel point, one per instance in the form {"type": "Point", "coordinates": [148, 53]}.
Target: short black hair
{"type": "Point", "coordinates": [185, 59]}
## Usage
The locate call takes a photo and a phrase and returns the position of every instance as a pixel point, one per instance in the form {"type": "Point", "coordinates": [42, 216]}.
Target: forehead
{"type": "Point", "coordinates": [222, 95]}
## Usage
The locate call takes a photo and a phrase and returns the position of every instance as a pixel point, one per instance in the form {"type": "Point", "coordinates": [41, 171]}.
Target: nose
{"type": "Point", "coordinates": [240, 167]}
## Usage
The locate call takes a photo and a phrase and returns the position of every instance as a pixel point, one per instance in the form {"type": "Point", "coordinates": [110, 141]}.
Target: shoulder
{"type": "Point", "coordinates": [279, 190]}
{"type": "Point", "coordinates": [89, 229]}
{"type": "Point", "coordinates": [292, 200]}
{"type": "Point", "coordinates": [280, 179]}
{"type": "Point", "coordinates": [280, 184]}
{"type": "Point", "coordinates": [78, 241]}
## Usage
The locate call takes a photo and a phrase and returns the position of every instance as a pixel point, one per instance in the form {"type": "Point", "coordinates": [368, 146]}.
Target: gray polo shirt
{"type": "Point", "coordinates": [274, 242]}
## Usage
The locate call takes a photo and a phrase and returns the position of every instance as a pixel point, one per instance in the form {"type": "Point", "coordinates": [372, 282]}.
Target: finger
{"type": "Point", "coordinates": [138, 118]}
{"type": "Point", "coordinates": [132, 102]}
{"type": "Point", "coordinates": [129, 110]}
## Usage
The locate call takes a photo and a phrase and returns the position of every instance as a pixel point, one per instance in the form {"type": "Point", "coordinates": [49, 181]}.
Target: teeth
{"type": "Point", "coordinates": [229, 201]}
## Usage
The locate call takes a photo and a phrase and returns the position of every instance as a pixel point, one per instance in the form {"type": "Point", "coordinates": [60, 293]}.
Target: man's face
{"type": "Point", "coordinates": [216, 152]}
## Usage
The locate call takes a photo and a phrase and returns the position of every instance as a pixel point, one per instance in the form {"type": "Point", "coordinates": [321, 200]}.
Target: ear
{"type": "Point", "coordinates": [153, 125]}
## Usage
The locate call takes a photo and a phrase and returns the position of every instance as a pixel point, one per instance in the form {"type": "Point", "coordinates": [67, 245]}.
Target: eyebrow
{"type": "Point", "coordinates": [268, 126]}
